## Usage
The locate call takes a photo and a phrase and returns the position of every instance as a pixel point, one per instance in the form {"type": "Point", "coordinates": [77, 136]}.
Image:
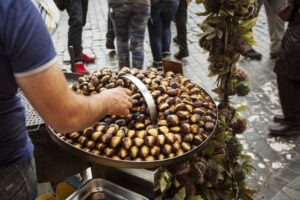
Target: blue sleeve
{"type": "Point", "coordinates": [24, 36]}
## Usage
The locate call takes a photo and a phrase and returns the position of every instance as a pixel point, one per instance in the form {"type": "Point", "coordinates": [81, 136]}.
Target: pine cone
{"type": "Point", "coordinates": [239, 126]}
{"type": "Point", "coordinates": [234, 148]}
{"type": "Point", "coordinates": [183, 168]}
{"type": "Point", "coordinates": [239, 174]}
{"type": "Point", "coordinates": [242, 89]}
{"type": "Point", "coordinates": [189, 185]}
{"type": "Point", "coordinates": [241, 75]}
{"type": "Point", "coordinates": [212, 172]}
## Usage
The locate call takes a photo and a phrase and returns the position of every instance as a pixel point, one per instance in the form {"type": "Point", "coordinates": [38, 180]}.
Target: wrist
{"type": "Point", "coordinates": [103, 105]}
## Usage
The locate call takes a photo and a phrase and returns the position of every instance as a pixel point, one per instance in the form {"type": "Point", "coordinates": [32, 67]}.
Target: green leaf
{"type": "Point", "coordinates": [199, 1]}
{"type": "Point", "coordinates": [212, 73]}
{"type": "Point", "coordinates": [198, 197]}
{"type": "Point", "coordinates": [220, 137]}
{"type": "Point", "coordinates": [203, 13]}
{"type": "Point", "coordinates": [159, 197]}
{"type": "Point", "coordinates": [247, 35]}
{"type": "Point", "coordinates": [211, 36]}
{"type": "Point", "coordinates": [242, 108]}
{"type": "Point", "coordinates": [249, 24]}
{"type": "Point", "coordinates": [209, 150]}
{"type": "Point", "coordinates": [219, 90]}
{"type": "Point", "coordinates": [163, 184]}
{"type": "Point", "coordinates": [251, 41]}
{"type": "Point", "coordinates": [180, 195]}
{"type": "Point", "coordinates": [230, 12]}
{"type": "Point", "coordinates": [220, 33]}
{"type": "Point", "coordinates": [217, 158]}
{"type": "Point", "coordinates": [177, 184]}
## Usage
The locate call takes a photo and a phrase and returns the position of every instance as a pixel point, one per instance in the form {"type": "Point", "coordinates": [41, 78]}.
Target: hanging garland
{"type": "Point", "coordinates": [220, 170]}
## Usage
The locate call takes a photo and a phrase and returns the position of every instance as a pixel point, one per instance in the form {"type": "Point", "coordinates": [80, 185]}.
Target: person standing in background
{"type": "Point", "coordinates": [129, 19]}
{"type": "Point", "coordinates": [110, 34]}
{"type": "Point", "coordinates": [159, 25]}
{"type": "Point", "coordinates": [287, 69]}
{"type": "Point", "coordinates": [77, 11]}
{"type": "Point", "coordinates": [275, 27]}
{"type": "Point", "coordinates": [181, 38]}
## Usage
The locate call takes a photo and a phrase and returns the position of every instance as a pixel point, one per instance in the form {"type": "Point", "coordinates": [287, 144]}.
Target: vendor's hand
{"type": "Point", "coordinates": [117, 101]}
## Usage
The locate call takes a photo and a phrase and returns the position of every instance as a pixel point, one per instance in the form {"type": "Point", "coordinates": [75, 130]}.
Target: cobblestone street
{"type": "Point", "coordinates": [276, 159]}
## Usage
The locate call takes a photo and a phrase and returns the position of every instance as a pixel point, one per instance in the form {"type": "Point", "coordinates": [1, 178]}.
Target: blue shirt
{"type": "Point", "coordinates": [25, 48]}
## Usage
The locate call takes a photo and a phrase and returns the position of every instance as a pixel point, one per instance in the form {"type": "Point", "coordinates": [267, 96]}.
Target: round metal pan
{"type": "Point", "coordinates": [127, 163]}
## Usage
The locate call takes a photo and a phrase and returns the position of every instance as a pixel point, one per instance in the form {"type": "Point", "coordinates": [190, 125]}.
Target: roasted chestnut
{"type": "Point", "coordinates": [96, 136]}
{"type": "Point", "coordinates": [87, 132]}
{"type": "Point", "coordinates": [127, 143]}
{"type": "Point", "coordinates": [115, 141]}
{"type": "Point", "coordinates": [134, 151]}
{"type": "Point", "coordinates": [138, 142]}
{"type": "Point", "coordinates": [144, 151]}
{"type": "Point", "coordinates": [173, 120]}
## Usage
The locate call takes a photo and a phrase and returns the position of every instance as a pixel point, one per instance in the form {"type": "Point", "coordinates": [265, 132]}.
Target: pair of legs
{"type": "Point", "coordinates": [159, 26]}
{"type": "Point", "coordinates": [275, 27]}
{"type": "Point", "coordinates": [289, 94]}
{"type": "Point", "coordinates": [110, 34]}
{"type": "Point", "coordinates": [19, 181]}
{"type": "Point", "coordinates": [181, 38]}
{"type": "Point", "coordinates": [288, 79]}
{"type": "Point", "coordinates": [77, 11]}
{"type": "Point", "coordinates": [129, 21]}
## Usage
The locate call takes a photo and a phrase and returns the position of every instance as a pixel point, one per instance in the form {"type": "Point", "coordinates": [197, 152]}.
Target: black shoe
{"type": "Point", "coordinates": [175, 39]}
{"type": "Point", "coordinates": [182, 53]}
{"type": "Point", "coordinates": [274, 55]}
{"type": "Point", "coordinates": [285, 128]}
{"type": "Point", "coordinates": [252, 54]}
{"type": "Point", "coordinates": [158, 65]}
{"type": "Point", "coordinates": [110, 44]}
{"type": "Point", "coordinates": [279, 118]}
{"type": "Point", "coordinates": [166, 55]}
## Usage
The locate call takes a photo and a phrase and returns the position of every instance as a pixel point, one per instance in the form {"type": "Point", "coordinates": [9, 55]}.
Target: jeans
{"type": "Point", "coordinates": [159, 26]}
{"type": "Point", "coordinates": [181, 20]}
{"type": "Point", "coordinates": [130, 21]}
{"type": "Point", "coordinates": [110, 34]}
{"type": "Point", "coordinates": [77, 11]}
{"type": "Point", "coordinates": [18, 182]}
{"type": "Point", "coordinates": [276, 25]}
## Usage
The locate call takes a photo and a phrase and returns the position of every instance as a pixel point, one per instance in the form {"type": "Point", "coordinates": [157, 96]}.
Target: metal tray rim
{"type": "Point", "coordinates": [134, 164]}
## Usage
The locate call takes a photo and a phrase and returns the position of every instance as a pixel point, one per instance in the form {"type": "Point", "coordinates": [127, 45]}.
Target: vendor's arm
{"type": "Point", "coordinates": [31, 58]}
{"type": "Point", "coordinates": [64, 110]}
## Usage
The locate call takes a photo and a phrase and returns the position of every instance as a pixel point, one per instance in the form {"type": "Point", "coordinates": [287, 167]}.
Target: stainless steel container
{"type": "Point", "coordinates": [101, 189]}
{"type": "Point", "coordinates": [142, 181]}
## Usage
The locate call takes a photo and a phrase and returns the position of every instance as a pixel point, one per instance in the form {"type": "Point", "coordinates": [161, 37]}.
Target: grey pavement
{"type": "Point", "coordinates": [276, 159]}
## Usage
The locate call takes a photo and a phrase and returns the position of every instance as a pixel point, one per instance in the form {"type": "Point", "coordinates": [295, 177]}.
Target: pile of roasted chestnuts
{"type": "Point", "coordinates": [186, 116]}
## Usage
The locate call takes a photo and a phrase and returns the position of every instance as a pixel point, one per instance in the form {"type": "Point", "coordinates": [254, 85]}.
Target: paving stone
{"type": "Point", "coordinates": [288, 175]}
{"type": "Point", "coordinates": [281, 196]}
{"type": "Point", "coordinates": [292, 194]}
{"type": "Point", "coordinates": [277, 183]}
{"type": "Point", "coordinates": [295, 167]}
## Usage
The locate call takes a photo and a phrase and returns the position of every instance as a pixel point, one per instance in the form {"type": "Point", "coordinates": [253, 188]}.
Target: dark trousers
{"type": "Point", "coordinates": [180, 21]}
{"type": "Point", "coordinates": [289, 94]}
{"type": "Point", "coordinates": [130, 22]}
{"type": "Point", "coordinates": [159, 26]}
{"type": "Point", "coordinates": [110, 34]}
{"type": "Point", "coordinates": [19, 181]}
{"type": "Point", "coordinates": [77, 11]}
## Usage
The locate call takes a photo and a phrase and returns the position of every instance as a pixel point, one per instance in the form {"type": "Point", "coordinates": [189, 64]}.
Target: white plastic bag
{"type": "Point", "coordinates": [49, 12]}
